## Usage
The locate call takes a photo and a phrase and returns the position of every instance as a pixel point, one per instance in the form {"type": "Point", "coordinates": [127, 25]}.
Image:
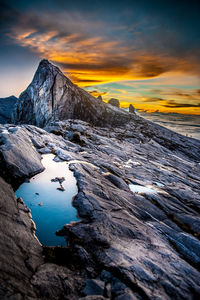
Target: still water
{"type": "Point", "coordinates": [51, 208]}
{"type": "Point", "coordinates": [136, 188]}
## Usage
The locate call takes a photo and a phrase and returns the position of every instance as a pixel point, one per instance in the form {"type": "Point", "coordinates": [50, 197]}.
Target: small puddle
{"type": "Point", "coordinates": [83, 162]}
{"type": "Point", "coordinates": [159, 184]}
{"type": "Point", "coordinates": [136, 188]}
{"type": "Point", "coordinates": [50, 201]}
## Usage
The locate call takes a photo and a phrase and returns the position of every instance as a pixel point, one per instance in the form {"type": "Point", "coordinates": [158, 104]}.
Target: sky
{"type": "Point", "coordinates": [143, 52]}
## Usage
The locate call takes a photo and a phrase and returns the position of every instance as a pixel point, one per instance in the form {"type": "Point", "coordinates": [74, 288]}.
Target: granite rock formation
{"type": "Point", "coordinates": [51, 97]}
{"type": "Point", "coordinates": [18, 159]}
{"type": "Point", "coordinates": [114, 102]}
{"type": "Point", "coordinates": [131, 109]}
{"type": "Point", "coordinates": [6, 109]}
{"type": "Point", "coordinates": [144, 245]}
{"type": "Point", "coordinates": [100, 98]}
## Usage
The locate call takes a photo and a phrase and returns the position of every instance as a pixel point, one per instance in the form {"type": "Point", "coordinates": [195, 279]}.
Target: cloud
{"type": "Point", "coordinates": [96, 93]}
{"type": "Point", "coordinates": [90, 53]}
{"type": "Point", "coordinates": [153, 99]}
{"type": "Point", "coordinates": [183, 94]}
{"type": "Point", "coordinates": [138, 47]}
{"type": "Point", "coordinates": [174, 104]}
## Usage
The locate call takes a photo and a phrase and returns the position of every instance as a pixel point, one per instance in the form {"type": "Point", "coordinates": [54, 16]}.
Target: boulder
{"type": "Point", "coordinates": [131, 109]}
{"type": "Point", "coordinates": [18, 158]}
{"type": "Point", "coordinates": [21, 253]}
{"type": "Point", "coordinates": [94, 287]}
{"type": "Point", "coordinates": [114, 102]}
{"type": "Point", "coordinates": [100, 98]}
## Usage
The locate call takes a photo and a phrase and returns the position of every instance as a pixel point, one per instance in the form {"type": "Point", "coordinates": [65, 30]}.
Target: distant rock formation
{"type": "Point", "coordinates": [100, 98]}
{"type": "Point", "coordinates": [51, 96]}
{"type": "Point", "coordinates": [6, 109]}
{"type": "Point", "coordinates": [114, 102]}
{"type": "Point", "coordinates": [131, 109]}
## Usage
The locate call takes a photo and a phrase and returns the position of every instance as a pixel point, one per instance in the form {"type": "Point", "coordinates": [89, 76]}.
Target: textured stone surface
{"type": "Point", "coordinates": [100, 98]}
{"type": "Point", "coordinates": [94, 287]}
{"type": "Point", "coordinates": [18, 156]}
{"type": "Point", "coordinates": [114, 102]}
{"type": "Point", "coordinates": [131, 109]}
{"type": "Point", "coordinates": [52, 96]}
{"type": "Point", "coordinates": [24, 272]}
{"type": "Point", "coordinates": [20, 253]}
{"type": "Point", "coordinates": [141, 246]}
{"type": "Point", "coordinates": [6, 109]}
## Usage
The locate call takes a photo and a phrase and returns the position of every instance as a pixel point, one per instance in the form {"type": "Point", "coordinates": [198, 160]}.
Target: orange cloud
{"type": "Point", "coordinates": [92, 60]}
{"type": "Point", "coordinates": [88, 60]}
{"type": "Point", "coordinates": [96, 93]}
{"type": "Point", "coordinates": [153, 108]}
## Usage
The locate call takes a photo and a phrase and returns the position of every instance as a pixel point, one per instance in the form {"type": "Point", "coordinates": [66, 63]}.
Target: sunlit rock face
{"type": "Point", "coordinates": [52, 96]}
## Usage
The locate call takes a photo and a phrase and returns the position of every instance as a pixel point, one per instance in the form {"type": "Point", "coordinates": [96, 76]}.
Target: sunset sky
{"type": "Point", "coordinates": [144, 52]}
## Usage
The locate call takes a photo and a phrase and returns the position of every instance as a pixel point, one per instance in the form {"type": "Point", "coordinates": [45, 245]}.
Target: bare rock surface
{"type": "Point", "coordinates": [127, 245]}
{"type": "Point", "coordinates": [20, 253]}
{"type": "Point", "coordinates": [52, 96]}
{"type": "Point", "coordinates": [114, 102]}
{"type": "Point", "coordinates": [131, 109]}
{"type": "Point", "coordinates": [6, 109]}
{"type": "Point", "coordinates": [100, 98]}
{"type": "Point", "coordinates": [18, 156]}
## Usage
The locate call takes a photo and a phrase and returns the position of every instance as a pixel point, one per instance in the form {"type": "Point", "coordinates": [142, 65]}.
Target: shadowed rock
{"type": "Point", "coordinates": [6, 109]}
{"type": "Point", "coordinates": [18, 263]}
{"type": "Point", "coordinates": [131, 109]}
{"type": "Point", "coordinates": [114, 102]}
{"type": "Point", "coordinates": [100, 98]}
{"type": "Point", "coordinates": [18, 158]}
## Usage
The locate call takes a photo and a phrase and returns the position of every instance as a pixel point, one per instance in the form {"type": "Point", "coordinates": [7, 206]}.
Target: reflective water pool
{"type": "Point", "coordinates": [50, 201]}
{"type": "Point", "coordinates": [136, 188]}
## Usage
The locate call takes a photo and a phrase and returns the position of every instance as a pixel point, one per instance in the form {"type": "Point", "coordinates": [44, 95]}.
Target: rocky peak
{"type": "Point", "coordinates": [47, 70]}
{"type": "Point", "coordinates": [114, 102]}
{"type": "Point", "coordinates": [131, 109]}
{"type": "Point", "coordinates": [52, 96]}
{"type": "Point", "coordinates": [100, 98]}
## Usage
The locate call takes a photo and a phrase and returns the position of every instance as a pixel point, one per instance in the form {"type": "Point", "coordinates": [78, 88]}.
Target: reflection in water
{"type": "Point", "coordinates": [50, 207]}
{"type": "Point", "coordinates": [136, 188]}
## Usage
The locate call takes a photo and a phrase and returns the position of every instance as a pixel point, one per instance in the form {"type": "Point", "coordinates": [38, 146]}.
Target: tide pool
{"type": "Point", "coordinates": [50, 208]}
{"type": "Point", "coordinates": [136, 188]}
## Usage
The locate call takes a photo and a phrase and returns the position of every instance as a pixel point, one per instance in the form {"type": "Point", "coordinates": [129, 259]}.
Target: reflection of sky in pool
{"type": "Point", "coordinates": [56, 209]}
{"type": "Point", "coordinates": [136, 188]}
